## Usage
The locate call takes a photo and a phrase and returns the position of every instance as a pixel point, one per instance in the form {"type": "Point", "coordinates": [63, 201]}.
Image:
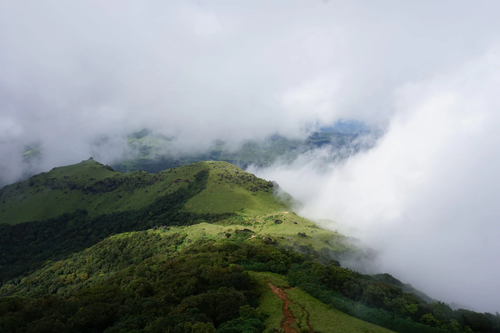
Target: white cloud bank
{"type": "Point", "coordinates": [205, 70]}
{"type": "Point", "coordinates": [427, 196]}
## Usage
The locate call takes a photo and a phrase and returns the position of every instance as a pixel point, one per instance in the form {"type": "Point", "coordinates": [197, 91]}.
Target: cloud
{"type": "Point", "coordinates": [426, 195]}
{"type": "Point", "coordinates": [215, 70]}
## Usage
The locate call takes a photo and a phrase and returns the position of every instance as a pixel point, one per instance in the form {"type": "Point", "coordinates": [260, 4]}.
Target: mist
{"type": "Point", "coordinates": [425, 197]}
{"type": "Point", "coordinates": [77, 76]}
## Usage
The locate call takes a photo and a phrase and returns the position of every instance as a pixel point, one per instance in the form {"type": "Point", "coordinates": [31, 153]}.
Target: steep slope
{"type": "Point", "coordinates": [98, 189]}
{"type": "Point", "coordinates": [230, 189]}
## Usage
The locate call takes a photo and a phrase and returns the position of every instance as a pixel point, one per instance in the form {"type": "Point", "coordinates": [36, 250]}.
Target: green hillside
{"type": "Point", "coordinates": [99, 189]}
{"type": "Point", "coordinates": [206, 247]}
{"type": "Point", "coordinates": [153, 281]}
{"type": "Point", "coordinates": [204, 278]}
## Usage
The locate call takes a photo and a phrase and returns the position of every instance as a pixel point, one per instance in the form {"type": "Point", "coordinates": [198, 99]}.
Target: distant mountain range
{"type": "Point", "coordinates": [155, 152]}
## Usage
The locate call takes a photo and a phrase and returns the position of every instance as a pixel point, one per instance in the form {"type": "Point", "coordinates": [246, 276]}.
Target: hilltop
{"type": "Point", "coordinates": [98, 189]}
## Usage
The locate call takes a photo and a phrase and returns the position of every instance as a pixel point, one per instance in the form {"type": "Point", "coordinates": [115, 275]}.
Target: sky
{"type": "Point", "coordinates": [424, 73]}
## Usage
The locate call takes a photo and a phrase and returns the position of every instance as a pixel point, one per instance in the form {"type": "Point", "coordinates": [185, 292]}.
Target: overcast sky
{"type": "Point", "coordinates": [426, 72]}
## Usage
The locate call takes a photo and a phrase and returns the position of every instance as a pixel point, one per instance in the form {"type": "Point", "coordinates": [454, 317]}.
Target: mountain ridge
{"type": "Point", "coordinates": [197, 254]}
{"type": "Point", "coordinates": [99, 189]}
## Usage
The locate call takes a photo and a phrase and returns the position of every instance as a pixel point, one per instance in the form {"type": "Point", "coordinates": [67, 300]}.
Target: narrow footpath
{"type": "Point", "coordinates": [289, 318]}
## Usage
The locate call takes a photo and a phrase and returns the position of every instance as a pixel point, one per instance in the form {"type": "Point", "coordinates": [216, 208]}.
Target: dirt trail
{"type": "Point", "coordinates": [289, 318]}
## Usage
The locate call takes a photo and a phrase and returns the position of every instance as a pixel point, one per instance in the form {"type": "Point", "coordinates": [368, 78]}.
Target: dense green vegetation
{"type": "Point", "coordinates": [193, 292]}
{"type": "Point", "coordinates": [140, 281]}
{"type": "Point", "coordinates": [195, 257]}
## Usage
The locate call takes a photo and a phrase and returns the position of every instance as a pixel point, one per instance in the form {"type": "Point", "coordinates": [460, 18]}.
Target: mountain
{"type": "Point", "coordinates": [200, 248]}
{"type": "Point", "coordinates": [148, 151]}
{"type": "Point", "coordinates": [98, 189]}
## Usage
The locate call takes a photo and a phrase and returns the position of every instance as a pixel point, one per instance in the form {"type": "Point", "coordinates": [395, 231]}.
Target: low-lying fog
{"type": "Point", "coordinates": [426, 196]}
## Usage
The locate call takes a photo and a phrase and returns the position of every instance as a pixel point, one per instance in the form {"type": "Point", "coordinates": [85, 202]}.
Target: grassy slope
{"type": "Point", "coordinates": [230, 189]}
{"type": "Point", "coordinates": [327, 319]}
{"type": "Point", "coordinates": [285, 233]}
{"type": "Point", "coordinates": [322, 318]}
{"type": "Point", "coordinates": [97, 188]}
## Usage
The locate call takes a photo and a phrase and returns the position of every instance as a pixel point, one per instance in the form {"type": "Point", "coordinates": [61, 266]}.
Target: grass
{"type": "Point", "coordinates": [100, 190]}
{"type": "Point", "coordinates": [321, 317]}
{"type": "Point", "coordinates": [286, 233]}
{"type": "Point", "coordinates": [87, 185]}
{"type": "Point", "coordinates": [287, 228]}
{"type": "Point", "coordinates": [230, 189]}
{"type": "Point", "coordinates": [326, 319]}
